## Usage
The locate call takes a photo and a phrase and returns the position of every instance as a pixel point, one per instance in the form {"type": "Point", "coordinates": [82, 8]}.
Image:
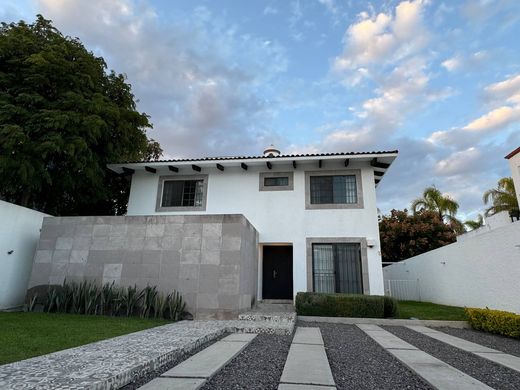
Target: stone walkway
{"type": "Point", "coordinates": [112, 363]}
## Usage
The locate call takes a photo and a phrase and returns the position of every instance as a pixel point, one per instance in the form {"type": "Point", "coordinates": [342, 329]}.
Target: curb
{"type": "Point", "coordinates": [386, 321]}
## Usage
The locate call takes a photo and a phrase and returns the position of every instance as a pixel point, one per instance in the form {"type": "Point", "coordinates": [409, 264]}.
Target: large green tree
{"type": "Point", "coordinates": [63, 117]}
{"type": "Point", "coordinates": [404, 235]}
{"type": "Point", "coordinates": [503, 198]}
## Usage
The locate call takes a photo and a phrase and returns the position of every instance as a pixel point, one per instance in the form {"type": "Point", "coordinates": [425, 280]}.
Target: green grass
{"type": "Point", "coordinates": [25, 335]}
{"type": "Point", "coordinates": [430, 311]}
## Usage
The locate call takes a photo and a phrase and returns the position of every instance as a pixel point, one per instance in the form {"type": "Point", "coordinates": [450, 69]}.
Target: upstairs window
{"type": "Point", "coordinates": [182, 193]}
{"type": "Point", "coordinates": [341, 189]}
{"type": "Point", "coordinates": [276, 181]}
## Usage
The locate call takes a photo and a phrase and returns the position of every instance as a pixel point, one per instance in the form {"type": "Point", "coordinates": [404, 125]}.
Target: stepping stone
{"type": "Point", "coordinates": [307, 336]}
{"type": "Point", "coordinates": [510, 361]}
{"type": "Point", "coordinates": [290, 386]}
{"type": "Point", "coordinates": [210, 360]}
{"type": "Point", "coordinates": [306, 363]}
{"type": "Point", "coordinates": [242, 337]}
{"type": "Point", "coordinates": [439, 374]}
{"type": "Point", "coordinates": [174, 384]}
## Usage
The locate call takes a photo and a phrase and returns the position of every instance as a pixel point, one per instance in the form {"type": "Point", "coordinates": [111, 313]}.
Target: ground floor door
{"type": "Point", "coordinates": [277, 272]}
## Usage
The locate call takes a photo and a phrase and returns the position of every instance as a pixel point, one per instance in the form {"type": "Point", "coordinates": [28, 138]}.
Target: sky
{"type": "Point", "coordinates": [437, 80]}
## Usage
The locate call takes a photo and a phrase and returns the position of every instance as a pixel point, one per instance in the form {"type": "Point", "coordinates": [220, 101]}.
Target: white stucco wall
{"type": "Point", "coordinates": [514, 164]}
{"type": "Point", "coordinates": [19, 234]}
{"type": "Point", "coordinates": [279, 216]}
{"type": "Point", "coordinates": [480, 271]}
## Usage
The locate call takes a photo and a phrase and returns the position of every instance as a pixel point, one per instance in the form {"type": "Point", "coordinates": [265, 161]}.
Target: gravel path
{"type": "Point", "coordinates": [492, 374]}
{"type": "Point", "coordinates": [358, 362]}
{"type": "Point", "coordinates": [153, 374]}
{"type": "Point", "coordinates": [501, 343]}
{"type": "Point", "coordinates": [259, 366]}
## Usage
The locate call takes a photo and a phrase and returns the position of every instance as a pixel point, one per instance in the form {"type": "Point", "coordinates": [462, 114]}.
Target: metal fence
{"type": "Point", "coordinates": [403, 289]}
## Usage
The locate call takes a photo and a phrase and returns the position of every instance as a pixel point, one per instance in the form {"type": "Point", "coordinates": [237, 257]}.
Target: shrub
{"type": "Point", "coordinates": [90, 298]}
{"type": "Point", "coordinates": [494, 321]}
{"type": "Point", "coordinates": [345, 305]}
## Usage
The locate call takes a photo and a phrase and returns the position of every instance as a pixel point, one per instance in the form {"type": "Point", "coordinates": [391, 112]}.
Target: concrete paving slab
{"type": "Point", "coordinates": [174, 384]}
{"type": "Point", "coordinates": [368, 327]}
{"type": "Point", "coordinates": [307, 364]}
{"type": "Point", "coordinates": [388, 340]}
{"type": "Point", "coordinates": [465, 345]}
{"type": "Point", "coordinates": [509, 361]}
{"type": "Point", "coordinates": [385, 321]}
{"type": "Point", "coordinates": [439, 374]}
{"type": "Point", "coordinates": [307, 336]}
{"type": "Point", "coordinates": [208, 361]}
{"type": "Point", "coordinates": [290, 386]}
{"type": "Point", "coordinates": [242, 337]}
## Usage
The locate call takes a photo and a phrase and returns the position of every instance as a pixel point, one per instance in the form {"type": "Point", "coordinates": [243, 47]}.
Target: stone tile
{"type": "Point", "coordinates": [64, 243]}
{"type": "Point", "coordinates": [190, 257]}
{"type": "Point", "coordinates": [152, 243]}
{"type": "Point", "coordinates": [309, 335]}
{"type": "Point", "coordinates": [75, 271]}
{"type": "Point", "coordinates": [116, 243]}
{"type": "Point", "coordinates": [99, 231]}
{"type": "Point", "coordinates": [174, 384]}
{"type": "Point", "coordinates": [155, 230]}
{"type": "Point", "coordinates": [171, 242]}
{"type": "Point", "coordinates": [151, 256]}
{"type": "Point", "coordinates": [211, 243]}
{"type": "Point", "coordinates": [230, 257]}
{"type": "Point", "coordinates": [232, 230]}
{"type": "Point", "coordinates": [93, 270]}
{"type": "Point", "coordinates": [191, 243]}
{"type": "Point", "coordinates": [174, 229]}
{"type": "Point", "coordinates": [48, 244]}
{"type": "Point", "coordinates": [136, 231]}
{"type": "Point", "coordinates": [119, 230]}
{"type": "Point", "coordinates": [134, 243]}
{"type": "Point", "coordinates": [192, 230]}
{"type": "Point", "coordinates": [99, 243]}
{"type": "Point", "coordinates": [170, 257]}
{"type": "Point", "coordinates": [231, 243]}
{"type": "Point", "coordinates": [173, 219]}
{"type": "Point", "coordinates": [207, 301]}
{"type": "Point", "coordinates": [228, 284]}
{"type": "Point", "coordinates": [169, 271]}
{"type": "Point", "coordinates": [79, 256]}
{"type": "Point", "coordinates": [151, 271]}
{"type": "Point", "coordinates": [189, 271]}
{"type": "Point", "coordinates": [81, 242]}
{"type": "Point", "coordinates": [105, 256]}
{"type": "Point", "coordinates": [83, 230]}
{"type": "Point", "coordinates": [57, 279]}
{"type": "Point", "coordinates": [112, 270]}
{"type": "Point", "coordinates": [132, 257]}
{"type": "Point", "coordinates": [212, 230]}
{"type": "Point", "coordinates": [210, 257]}
{"type": "Point", "coordinates": [208, 279]}
{"type": "Point", "coordinates": [307, 364]}
{"type": "Point", "coordinates": [61, 256]}
{"type": "Point", "coordinates": [228, 302]}
{"type": "Point", "coordinates": [43, 256]}
{"type": "Point", "coordinates": [134, 271]}
{"type": "Point", "coordinates": [40, 274]}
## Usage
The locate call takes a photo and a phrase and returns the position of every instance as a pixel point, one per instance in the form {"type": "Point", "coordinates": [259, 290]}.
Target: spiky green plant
{"type": "Point", "coordinates": [131, 299]}
{"type": "Point", "coordinates": [175, 305]}
{"type": "Point", "coordinates": [106, 298]}
{"type": "Point", "coordinates": [148, 301]}
{"type": "Point", "coordinates": [160, 306]}
{"type": "Point", "coordinates": [51, 299]}
{"type": "Point", "coordinates": [31, 303]}
{"type": "Point", "coordinates": [91, 297]}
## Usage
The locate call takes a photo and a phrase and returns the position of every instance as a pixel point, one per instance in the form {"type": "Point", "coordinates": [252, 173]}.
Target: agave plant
{"type": "Point", "coordinates": [77, 297]}
{"type": "Point", "coordinates": [91, 297]}
{"type": "Point", "coordinates": [131, 298]}
{"type": "Point", "coordinates": [31, 304]}
{"type": "Point", "coordinates": [52, 295]}
{"type": "Point", "coordinates": [175, 305]}
{"type": "Point", "coordinates": [160, 306]}
{"type": "Point", "coordinates": [107, 297]}
{"type": "Point", "coordinates": [148, 302]}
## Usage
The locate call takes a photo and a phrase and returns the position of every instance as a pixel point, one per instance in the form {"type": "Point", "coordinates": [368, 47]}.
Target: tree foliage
{"type": "Point", "coordinates": [503, 198]}
{"type": "Point", "coordinates": [445, 207]}
{"type": "Point", "coordinates": [63, 117]}
{"type": "Point", "coordinates": [404, 235]}
{"type": "Point", "coordinates": [475, 224]}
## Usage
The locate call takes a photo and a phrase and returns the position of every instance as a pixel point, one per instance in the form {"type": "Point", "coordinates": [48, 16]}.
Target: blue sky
{"type": "Point", "coordinates": [438, 80]}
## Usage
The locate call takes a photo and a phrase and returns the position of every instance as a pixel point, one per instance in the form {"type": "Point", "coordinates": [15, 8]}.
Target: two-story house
{"type": "Point", "coordinates": [229, 231]}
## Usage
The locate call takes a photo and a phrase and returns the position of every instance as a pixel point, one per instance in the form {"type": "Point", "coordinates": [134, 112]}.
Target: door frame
{"type": "Point", "coordinates": [261, 264]}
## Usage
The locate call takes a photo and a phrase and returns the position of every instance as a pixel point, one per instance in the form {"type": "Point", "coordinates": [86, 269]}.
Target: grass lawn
{"type": "Point", "coordinates": [25, 335]}
{"type": "Point", "coordinates": [430, 311]}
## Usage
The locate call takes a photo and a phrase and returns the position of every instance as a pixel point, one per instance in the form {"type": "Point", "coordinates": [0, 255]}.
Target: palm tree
{"type": "Point", "coordinates": [443, 205]}
{"type": "Point", "coordinates": [475, 224]}
{"type": "Point", "coordinates": [503, 198]}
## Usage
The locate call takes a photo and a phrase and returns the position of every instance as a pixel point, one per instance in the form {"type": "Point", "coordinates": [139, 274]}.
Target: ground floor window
{"type": "Point", "coordinates": [337, 268]}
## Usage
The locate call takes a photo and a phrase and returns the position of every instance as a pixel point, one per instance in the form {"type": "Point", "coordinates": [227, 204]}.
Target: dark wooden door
{"type": "Point", "coordinates": [277, 272]}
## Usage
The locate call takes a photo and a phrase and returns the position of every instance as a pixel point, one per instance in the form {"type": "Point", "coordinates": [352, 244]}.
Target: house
{"type": "Point", "coordinates": [514, 164]}
{"type": "Point", "coordinates": [229, 231]}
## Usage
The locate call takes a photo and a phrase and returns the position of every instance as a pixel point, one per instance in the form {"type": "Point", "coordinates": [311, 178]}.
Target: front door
{"type": "Point", "coordinates": [277, 272]}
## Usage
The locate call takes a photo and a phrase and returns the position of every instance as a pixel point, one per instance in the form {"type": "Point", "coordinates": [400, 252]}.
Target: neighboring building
{"type": "Point", "coordinates": [514, 164]}
{"type": "Point", "coordinates": [228, 231]}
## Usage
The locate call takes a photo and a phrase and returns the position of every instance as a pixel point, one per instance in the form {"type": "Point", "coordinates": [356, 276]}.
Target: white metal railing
{"type": "Point", "coordinates": [403, 289]}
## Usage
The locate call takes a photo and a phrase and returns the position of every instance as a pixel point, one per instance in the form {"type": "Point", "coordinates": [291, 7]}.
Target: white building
{"type": "Point", "coordinates": [514, 164]}
{"type": "Point", "coordinates": [316, 214]}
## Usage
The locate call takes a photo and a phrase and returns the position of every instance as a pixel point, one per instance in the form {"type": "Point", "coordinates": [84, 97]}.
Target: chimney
{"type": "Point", "coordinates": [271, 151]}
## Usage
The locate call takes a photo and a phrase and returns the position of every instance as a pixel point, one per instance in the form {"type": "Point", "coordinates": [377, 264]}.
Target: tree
{"type": "Point", "coordinates": [475, 224]}
{"type": "Point", "coordinates": [63, 117]}
{"type": "Point", "coordinates": [445, 207]}
{"type": "Point", "coordinates": [503, 198]}
{"type": "Point", "coordinates": [403, 235]}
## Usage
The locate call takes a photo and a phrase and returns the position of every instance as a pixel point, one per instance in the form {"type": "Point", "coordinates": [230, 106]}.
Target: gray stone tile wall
{"type": "Point", "coordinates": [211, 259]}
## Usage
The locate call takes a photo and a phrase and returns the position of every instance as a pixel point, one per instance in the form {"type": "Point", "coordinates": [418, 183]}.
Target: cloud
{"type": "Point", "coordinates": [383, 37]}
{"type": "Point", "coordinates": [508, 89]}
{"type": "Point", "coordinates": [269, 10]}
{"type": "Point", "coordinates": [460, 162]}
{"type": "Point", "coordinates": [461, 61]}
{"type": "Point", "coordinates": [197, 77]}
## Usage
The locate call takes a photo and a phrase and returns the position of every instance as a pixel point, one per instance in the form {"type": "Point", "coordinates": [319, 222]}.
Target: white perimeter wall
{"type": "Point", "coordinates": [480, 271]}
{"type": "Point", "coordinates": [279, 216]}
{"type": "Point", "coordinates": [514, 164]}
{"type": "Point", "coordinates": [19, 233]}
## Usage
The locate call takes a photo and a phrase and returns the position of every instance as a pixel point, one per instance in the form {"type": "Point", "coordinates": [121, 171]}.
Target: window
{"type": "Point", "coordinates": [276, 181]}
{"type": "Point", "coordinates": [333, 189]}
{"type": "Point", "coordinates": [338, 189]}
{"type": "Point", "coordinates": [182, 193]}
{"type": "Point", "coordinates": [336, 268]}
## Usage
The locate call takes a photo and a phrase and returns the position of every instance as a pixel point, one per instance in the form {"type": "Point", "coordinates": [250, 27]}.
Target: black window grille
{"type": "Point", "coordinates": [340, 189]}
{"type": "Point", "coordinates": [337, 268]}
{"type": "Point", "coordinates": [276, 181]}
{"type": "Point", "coordinates": [182, 193]}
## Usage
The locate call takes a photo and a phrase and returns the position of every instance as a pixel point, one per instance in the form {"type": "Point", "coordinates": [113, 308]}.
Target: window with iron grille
{"type": "Point", "coordinates": [337, 268]}
{"type": "Point", "coordinates": [182, 193]}
{"type": "Point", "coordinates": [338, 189]}
{"type": "Point", "coordinates": [276, 181]}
